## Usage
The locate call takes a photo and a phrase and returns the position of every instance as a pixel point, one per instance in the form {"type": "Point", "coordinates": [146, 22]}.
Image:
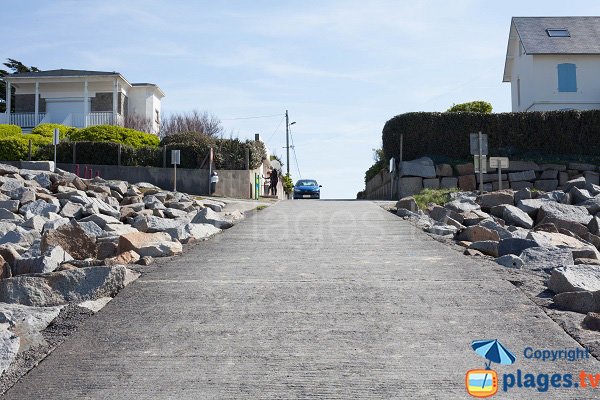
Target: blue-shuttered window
{"type": "Point", "coordinates": [567, 78]}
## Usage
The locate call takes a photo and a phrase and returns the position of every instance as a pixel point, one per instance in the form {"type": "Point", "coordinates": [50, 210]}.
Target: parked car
{"type": "Point", "coordinates": [307, 189]}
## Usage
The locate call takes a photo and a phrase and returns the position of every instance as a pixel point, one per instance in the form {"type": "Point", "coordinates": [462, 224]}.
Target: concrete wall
{"type": "Point", "coordinates": [235, 183]}
{"type": "Point", "coordinates": [193, 181]}
{"type": "Point", "coordinates": [232, 183]}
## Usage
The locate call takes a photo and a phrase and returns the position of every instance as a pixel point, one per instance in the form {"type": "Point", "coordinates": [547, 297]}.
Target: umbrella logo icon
{"type": "Point", "coordinates": [484, 382]}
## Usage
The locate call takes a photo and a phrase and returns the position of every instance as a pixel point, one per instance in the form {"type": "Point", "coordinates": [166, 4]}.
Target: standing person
{"type": "Point", "coordinates": [214, 179]}
{"type": "Point", "coordinates": [274, 180]}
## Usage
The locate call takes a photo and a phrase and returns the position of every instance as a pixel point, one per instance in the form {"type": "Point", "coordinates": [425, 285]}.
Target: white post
{"type": "Point", "coordinates": [115, 99]}
{"type": "Point", "coordinates": [85, 104]}
{"type": "Point", "coordinates": [8, 105]}
{"type": "Point", "coordinates": [174, 177]}
{"type": "Point", "coordinates": [480, 163]}
{"type": "Point", "coordinates": [37, 103]}
{"type": "Point", "coordinates": [499, 176]}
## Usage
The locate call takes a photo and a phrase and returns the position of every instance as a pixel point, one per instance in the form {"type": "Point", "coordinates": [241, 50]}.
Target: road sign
{"type": "Point", "coordinates": [498, 162]}
{"type": "Point", "coordinates": [176, 157]}
{"type": "Point", "coordinates": [392, 164]}
{"type": "Point", "coordinates": [56, 138]}
{"type": "Point", "coordinates": [474, 141]}
{"type": "Point", "coordinates": [483, 164]}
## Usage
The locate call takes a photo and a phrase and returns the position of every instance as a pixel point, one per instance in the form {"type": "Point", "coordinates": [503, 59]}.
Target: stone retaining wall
{"type": "Point", "coordinates": [423, 173]}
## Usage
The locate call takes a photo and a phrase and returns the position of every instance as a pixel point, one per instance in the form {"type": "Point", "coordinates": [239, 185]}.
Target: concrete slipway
{"type": "Point", "coordinates": [306, 299]}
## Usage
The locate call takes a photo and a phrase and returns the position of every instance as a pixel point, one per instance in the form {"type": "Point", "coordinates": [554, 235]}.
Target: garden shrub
{"type": "Point", "coordinates": [7, 130]}
{"type": "Point", "coordinates": [190, 138]}
{"type": "Point", "coordinates": [115, 134]}
{"type": "Point", "coordinates": [147, 156]}
{"type": "Point", "coordinates": [14, 148]}
{"type": "Point", "coordinates": [472, 106]}
{"type": "Point", "coordinates": [194, 147]}
{"type": "Point", "coordinates": [228, 153]}
{"type": "Point", "coordinates": [38, 140]}
{"type": "Point", "coordinates": [47, 130]}
{"type": "Point", "coordinates": [258, 153]}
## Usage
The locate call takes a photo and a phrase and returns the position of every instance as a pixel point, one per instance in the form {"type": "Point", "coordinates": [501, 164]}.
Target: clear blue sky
{"type": "Point", "coordinates": [342, 68]}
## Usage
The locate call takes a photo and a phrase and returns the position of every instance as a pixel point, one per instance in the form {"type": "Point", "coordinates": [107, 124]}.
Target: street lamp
{"type": "Point", "coordinates": [287, 139]}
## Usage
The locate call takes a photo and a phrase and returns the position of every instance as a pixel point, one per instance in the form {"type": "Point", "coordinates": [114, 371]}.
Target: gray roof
{"type": "Point", "coordinates": [60, 72]}
{"type": "Point", "coordinates": [585, 35]}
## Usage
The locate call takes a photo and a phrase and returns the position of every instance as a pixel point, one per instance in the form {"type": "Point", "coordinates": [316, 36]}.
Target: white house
{"type": "Point", "coordinates": [78, 98]}
{"type": "Point", "coordinates": [553, 63]}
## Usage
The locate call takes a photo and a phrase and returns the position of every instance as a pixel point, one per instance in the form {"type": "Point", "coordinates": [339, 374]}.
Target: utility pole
{"type": "Point", "coordinates": [287, 141]}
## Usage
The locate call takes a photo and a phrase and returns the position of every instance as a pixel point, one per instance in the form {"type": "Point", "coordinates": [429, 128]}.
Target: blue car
{"type": "Point", "coordinates": [307, 189]}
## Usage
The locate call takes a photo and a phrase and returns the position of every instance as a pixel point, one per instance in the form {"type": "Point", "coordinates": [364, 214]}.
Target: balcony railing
{"type": "Point", "coordinates": [28, 120]}
{"type": "Point", "coordinates": [94, 118]}
{"type": "Point", "coordinates": [24, 120]}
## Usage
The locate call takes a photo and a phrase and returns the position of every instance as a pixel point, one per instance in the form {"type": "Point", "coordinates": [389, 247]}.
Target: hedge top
{"type": "Point", "coordinates": [447, 134]}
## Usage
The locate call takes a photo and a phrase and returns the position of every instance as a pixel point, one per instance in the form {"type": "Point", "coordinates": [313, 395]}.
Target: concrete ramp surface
{"type": "Point", "coordinates": [307, 299]}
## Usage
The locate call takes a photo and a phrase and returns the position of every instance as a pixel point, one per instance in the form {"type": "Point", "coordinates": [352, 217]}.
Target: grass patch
{"type": "Point", "coordinates": [261, 207]}
{"type": "Point", "coordinates": [436, 196]}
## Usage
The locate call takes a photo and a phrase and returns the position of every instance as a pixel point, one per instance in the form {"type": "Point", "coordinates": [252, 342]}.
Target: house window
{"type": "Point", "coordinates": [567, 77]}
{"type": "Point", "coordinates": [558, 32]}
{"type": "Point", "coordinates": [519, 92]}
{"type": "Point", "coordinates": [156, 116]}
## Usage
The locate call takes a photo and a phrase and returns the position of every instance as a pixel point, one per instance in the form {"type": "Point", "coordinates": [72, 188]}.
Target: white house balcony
{"type": "Point", "coordinates": [28, 120]}
{"type": "Point", "coordinates": [94, 118]}
{"type": "Point", "coordinates": [24, 120]}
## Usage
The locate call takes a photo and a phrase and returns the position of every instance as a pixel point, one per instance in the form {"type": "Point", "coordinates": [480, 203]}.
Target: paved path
{"type": "Point", "coordinates": [306, 299]}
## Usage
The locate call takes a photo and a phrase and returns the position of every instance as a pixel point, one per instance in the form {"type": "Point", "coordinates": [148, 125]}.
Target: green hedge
{"type": "Point", "coordinates": [231, 154]}
{"type": "Point", "coordinates": [228, 153]}
{"type": "Point", "coordinates": [115, 134]}
{"type": "Point", "coordinates": [102, 148]}
{"type": "Point", "coordinates": [509, 134]}
{"type": "Point", "coordinates": [47, 130]}
{"type": "Point", "coordinates": [258, 153]}
{"type": "Point", "coordinates": [7, 130]}
{"type": "Point", "coordinates": [14, 148]}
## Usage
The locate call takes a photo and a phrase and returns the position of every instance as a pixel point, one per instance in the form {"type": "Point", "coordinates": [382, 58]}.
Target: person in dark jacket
{"type": "Point", "coordinates": [274, 179]}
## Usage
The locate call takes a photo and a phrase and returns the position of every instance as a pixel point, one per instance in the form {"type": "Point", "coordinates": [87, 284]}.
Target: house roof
{"type": "Point", "coordinates": [532, 32]}
{"type": "Point", "coordinates": [584, 35]}
{"type": "Point", "coordinates": [61, 73]}
{"type": "Point", "coordinates": [153, 85]}
{"type": "Point", "coordinates": [73, 73]}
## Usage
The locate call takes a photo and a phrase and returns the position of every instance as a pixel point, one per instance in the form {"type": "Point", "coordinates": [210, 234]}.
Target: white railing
{"type": "Point", "coordinates": [100, 118]}
{"type": "Point", "coordinates": [69, 120]}
{"type": "Point", "coordinates": [94, 118]}
{"type": "Point", "coordinates": [76, 120]}
{"type": "Point", "coordinates": [47, 118]}
{"type": "Point", "coordinates": [24, 120]}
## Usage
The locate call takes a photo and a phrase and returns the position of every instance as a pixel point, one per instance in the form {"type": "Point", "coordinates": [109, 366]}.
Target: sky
{"type": "Point", "coordinates": [342, 68]}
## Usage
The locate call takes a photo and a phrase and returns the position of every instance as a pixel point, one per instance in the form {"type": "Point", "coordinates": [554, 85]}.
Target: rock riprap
{"type": "Point", "coordinates": [555, 235]}
{"type": "Point", "coordinates": [66, 240]}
